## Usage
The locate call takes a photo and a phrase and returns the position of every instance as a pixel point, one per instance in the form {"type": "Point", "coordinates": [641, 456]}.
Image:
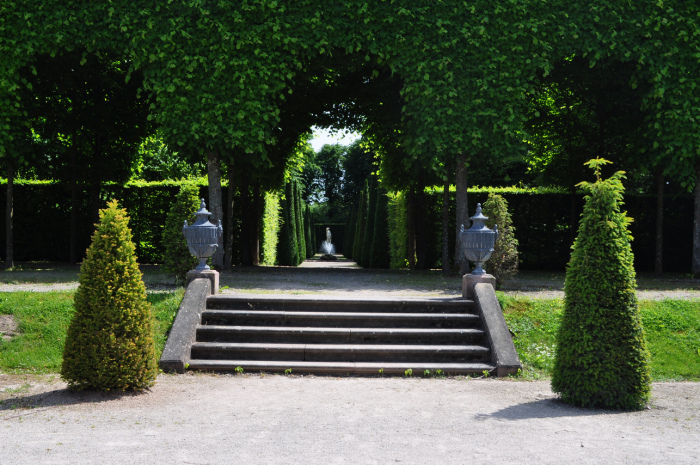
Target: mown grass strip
{"type": "Point", "coordinates": [43, 319]}
{"type": "Point", "coordinates": [672, 329]}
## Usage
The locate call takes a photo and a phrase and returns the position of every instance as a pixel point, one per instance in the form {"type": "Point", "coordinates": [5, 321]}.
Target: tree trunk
{"type": "Point", "coordinates": [696, 225]}
{"type": "Point", "coordinates": [255, 226]}
{"type": "Point", "coordinates": [73, 248]}
{"type": "Point", "coordinates": [421, 230]}
{"type": "Point", "coordinates": [462, 211]}
{"type": "Point", "coordinates": [96, 184]}
{"type": "Point", "coordinates": [573, 225]}
{"type": "Point", "coordinates": [95, 203]}
{"type": "Point", "coordinates": [658, 257]}
{"type": "Point", "coordinates": [245, 224]}
{"type": "Point", "coordinates": [445, 226]}
{"type": "Point", "coordinates": [228, 231]}
{"type": "Point", "coordinates": [9, 213]}
{"type": "Point", "coordinates": [215, 202]}
{"type": "Point", "coordinates": [411, 224]}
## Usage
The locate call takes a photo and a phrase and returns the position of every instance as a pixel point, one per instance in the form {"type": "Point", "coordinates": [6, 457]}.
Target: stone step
{"type": "Point", "coordinates": [340, 352]}
{"type": "Point", "coordinates": [342, 368]}
{"type": "Point", "coordinates": [324, 304]}
{"type": "Point", "coordinates": [339, 319]}
{"type": "Point", "coordinates": [317, 335]}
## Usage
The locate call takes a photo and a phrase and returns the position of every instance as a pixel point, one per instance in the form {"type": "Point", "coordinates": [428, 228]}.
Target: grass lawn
{"type": "Point", "coordinates": [672, 329]}
{"type": "Point", "coordinates": [43, 319]}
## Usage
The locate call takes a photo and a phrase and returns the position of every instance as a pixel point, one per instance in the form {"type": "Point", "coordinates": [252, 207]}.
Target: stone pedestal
{"type": "Point", "coordinates": [471, 280]}
{"type": "Point", "coordinates": [211, 275]}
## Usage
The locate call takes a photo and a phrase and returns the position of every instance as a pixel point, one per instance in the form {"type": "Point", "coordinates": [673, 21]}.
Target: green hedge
{"type": "Point", "coordinates": [541, 218]}
{"type": "Point", "coordinates": [42, 218]}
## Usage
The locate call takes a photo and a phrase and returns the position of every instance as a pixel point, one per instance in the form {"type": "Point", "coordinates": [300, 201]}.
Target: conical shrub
{"type": "Point", "coordinates": [503, 263]}
{"type": "Point", "coordinates": [109, 344]}
{"type": "Point", "coordinates": [601, 357]}
{"type": "Point", "coordinates": [177, 259]}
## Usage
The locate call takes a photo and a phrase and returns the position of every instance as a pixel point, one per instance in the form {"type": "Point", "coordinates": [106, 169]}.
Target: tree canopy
{"type": "Point", "coordinates": [221, 73]}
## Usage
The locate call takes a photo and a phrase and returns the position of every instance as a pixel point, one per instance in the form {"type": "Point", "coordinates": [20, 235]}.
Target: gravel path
{"type": "Point", "coordinates": [208, 419]}
{"type": "Point", "coordinates": [344, 278]}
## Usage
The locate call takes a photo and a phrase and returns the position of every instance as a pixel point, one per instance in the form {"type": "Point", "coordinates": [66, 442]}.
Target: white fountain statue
{"type": "Point", "coordinates": [327, 248]}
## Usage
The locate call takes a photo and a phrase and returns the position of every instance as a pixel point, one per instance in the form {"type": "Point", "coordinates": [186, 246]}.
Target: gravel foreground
{"type": "Point", "coordinates": [246, 419]}
{"type": "Point", "coordinates": [252, 419]}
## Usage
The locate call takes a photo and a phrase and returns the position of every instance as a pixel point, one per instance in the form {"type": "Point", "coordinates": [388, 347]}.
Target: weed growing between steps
{"type": "Point", "coordinates": [43, 321]}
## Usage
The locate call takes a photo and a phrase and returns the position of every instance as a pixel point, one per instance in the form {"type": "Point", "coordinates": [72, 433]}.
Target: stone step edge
{"type": "Point", "coordinates": [211, 313]}
{"type": "Point", "coordinates": [243, 298]}
{"type": "Point", "coordinates": [335, 348]}
{"type": "Point", "coordinates": [340, 368]}
{"type": "Point", "coordinates": [338, 331]}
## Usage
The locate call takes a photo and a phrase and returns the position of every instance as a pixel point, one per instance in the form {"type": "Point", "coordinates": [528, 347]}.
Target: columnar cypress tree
{"type": "Point", "coordinates": [293, 222]}
{"type": "Point", "coordinates": [369, 225]}
{"type": "Point", "coordinates": [301, 241]}
{"type": "Point", "coordinates": [349, 235]}
{"type": "Point", "coordinates": [307, 232]}
{"type": "Point", "coordinates": [601, 358]}
{"type": "Point", "coordinates": [177, 258]}
{"type": "Point", "coordinates": [109, 344]}
{"type": "Point", "coordinates": [360, 229]}
{"type": "Point", "coordinates": [287, 254]}
{"type": "Point", "coordinates": [379, 255]}
{"type": "Point", "coordinates": [314, 244]}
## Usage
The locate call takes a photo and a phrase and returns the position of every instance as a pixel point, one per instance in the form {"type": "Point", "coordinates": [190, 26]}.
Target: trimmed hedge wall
{"type": "Point", "coordinates": [542, 222]}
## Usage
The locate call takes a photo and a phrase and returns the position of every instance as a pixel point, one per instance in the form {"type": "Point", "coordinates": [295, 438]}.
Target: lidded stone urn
{"type": "Point", "coordinates": [478, 241]}
{"type": "Point", "coordinates": [202, 237]}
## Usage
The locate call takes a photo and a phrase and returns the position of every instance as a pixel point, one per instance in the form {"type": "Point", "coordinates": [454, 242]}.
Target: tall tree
{"type": "Point", "coordinates": [89, 121]}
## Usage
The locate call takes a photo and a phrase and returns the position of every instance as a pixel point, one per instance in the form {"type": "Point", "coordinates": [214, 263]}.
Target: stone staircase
{"type": "Point", "coordinates": [331, 336]}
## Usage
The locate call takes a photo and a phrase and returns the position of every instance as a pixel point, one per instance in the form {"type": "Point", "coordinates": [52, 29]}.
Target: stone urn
{"type": "Point", "coordinates": [478, 241]}
{"type": "Point", "coordinates": [202, 237]}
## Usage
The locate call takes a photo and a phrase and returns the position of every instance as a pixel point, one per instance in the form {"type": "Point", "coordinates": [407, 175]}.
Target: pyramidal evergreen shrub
{"type": "Point", "coordinates": [110, 340]}
{"type": "Point", "coordinates": [503, 263]}
{"type": "Point", "coordinates": [177, 259]}
{"type": "Point", "coordinates": [601, 358]}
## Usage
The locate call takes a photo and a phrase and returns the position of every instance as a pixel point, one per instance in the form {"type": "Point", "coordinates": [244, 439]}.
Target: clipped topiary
{"type": "Point", "coordinates": [601, 357]}
{"type": "Point", "coordinates": [287, 251]}
{"type": "Point", "coordinates": [299, 208]}
{"type": "Point", "coordinates": [109, 344]}
{"type": "Point", "coordinates": [307, 232]}
{"type": "Point", "coordinates": [369, 223]}
{"type": "Point", "coordinates": [177, 258]}
{"type": "Point", "coordinates": [380, 255]}
{"type": "Point", "coordinates": [503, 263]}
